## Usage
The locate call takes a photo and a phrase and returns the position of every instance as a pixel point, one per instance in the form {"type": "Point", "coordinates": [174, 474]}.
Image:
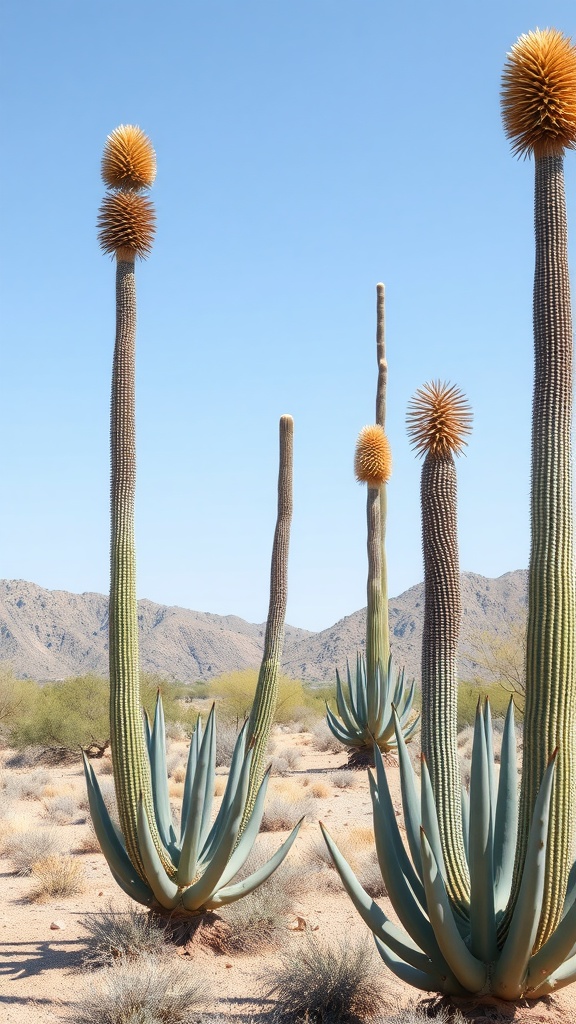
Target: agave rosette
{"type": "Point", "coordinates": [480, 945]}
{"type": "Point", "coordinates": [205, 855]}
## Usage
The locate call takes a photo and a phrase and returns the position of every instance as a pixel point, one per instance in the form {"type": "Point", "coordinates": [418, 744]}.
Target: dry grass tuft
{"type": "Point", "coordinates": [324, 741]}
{"type": "Point", "coordinates": [24, 848]}
{"type": "Point", "coordinates": [321, 983]}
{"type": "Point", "coordinates": [175, 789]}
{"type": "Point", "coordinates": [539, 94]}
{"type": "Point", "coordinates": [61, 809]}
{"type": "Point", "coordinates": [319, 789]}
{"type": "Point", "coordinates": [136, 992]}
{"type": "Point", "coordinates": [129, 160]}
{"type": "Point", "coordinates": [57, 877]}
{"type": "Point", "coordinates": [126, 225]}
{"type": "Point", "coordinates": [220, 785]}
{"type": "Point", "coordinates": [179, 773]}
{"type": "Point", "coordinates": [343, 779]}
{"type": "Point", "coordinates": [88, 842]}
{"type": "Point", "coordinates": [282, 813]}
{"type": "Point", "coordinates": [127, 933]}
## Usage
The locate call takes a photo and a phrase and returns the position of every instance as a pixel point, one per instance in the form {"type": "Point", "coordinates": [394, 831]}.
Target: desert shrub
{"type": "Point", "coordinates": [130, 932]}
{"type": "Point", "coordinates": [136, 991]}
{"type": "Point", "coordinates": [27, 846]}
{"type": "Point", "coordinates": [67, 714]}
{"type": "Point", "coordinates": [226, 736]}
{"type": "Point", "coordinates": [319, 789]}
{"type": "Point", "coordinates": [178, 731]}
{"type": "Point", "coordinates": [88, 842]}
{"type": "Point", "coordinates": [235, 692]}
{"type": "Point", "coordinates": [56, 877]}
{"type": "Point", "coordinates": [14, 694]}
{"type": "Point", "coordinates": [25, 787]}
{"type": "Point", "coordinates": [414, 1014]}
{"type": "Point", "coordinates": [279, 767]}
{"type": "Point", "coordinates": [281, 814]}
{"type": "Point", "coordinates": [324, 741]}
{"type": "Point", "coordinates": [61, 809]}
{"type": "Point", "coordinates": [470, 693]}
{"type": "Point", "coordinates": [321, 983]}
{"type": "Point", "coordinates": [343, 779]}
{"type": "Point", "coordinates": [174, 702]}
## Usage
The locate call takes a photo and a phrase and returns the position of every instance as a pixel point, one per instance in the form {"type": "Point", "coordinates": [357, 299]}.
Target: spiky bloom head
{"type": "Point", "coordinates": [539, 94]}
{"type": "Point", "coordinates": [438, 419]}
{"type": "Point", "coordinates": [129, 160]}
{"type": "Point", "coordinates": [126, 225]}
{"type": "Point", "coordinates": [373, 457]}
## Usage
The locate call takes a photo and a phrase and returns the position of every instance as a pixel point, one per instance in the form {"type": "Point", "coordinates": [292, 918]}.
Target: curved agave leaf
{"type": "Point", "coordinates": [232, 893]}
{"type": "Point", "coordinates": [512, 967]}
{"type": "Point", "coordinates": [481, 840]}
{"type": "Point", "coordinates": [470, 972]}
{"type": "Point", "coordinates": [165, 890]}
{"type": "Point", "coordinates": [506, 818]}
{"type": "Point", "coordinates": [159, 778]}
{"type": "Point", "coordinates": [112, 842]}
{"type": "Point", "coordinates": [191, 838]}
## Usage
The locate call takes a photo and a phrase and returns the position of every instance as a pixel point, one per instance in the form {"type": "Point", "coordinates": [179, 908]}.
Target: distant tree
{"type": "Point", "coordinates": [501, 656]}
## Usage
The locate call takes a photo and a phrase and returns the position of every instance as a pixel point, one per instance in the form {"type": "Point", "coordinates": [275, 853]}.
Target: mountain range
{"type": "Point", "coordinates": [51, 634]}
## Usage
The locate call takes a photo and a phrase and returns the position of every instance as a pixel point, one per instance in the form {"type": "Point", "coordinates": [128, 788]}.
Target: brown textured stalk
{"type": "Point", "coordinates": [442, 615]}
{"type": "Point", "coordinates": [129, 756]}
{"type": "Point", "coordinates": [264, 706]}
{"type": "Point", "coordinates": [381, 420]}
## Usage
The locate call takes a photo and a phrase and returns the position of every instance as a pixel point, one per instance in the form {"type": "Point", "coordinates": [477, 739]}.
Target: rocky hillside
{"type": "Point", "coordinates": [50, 634]}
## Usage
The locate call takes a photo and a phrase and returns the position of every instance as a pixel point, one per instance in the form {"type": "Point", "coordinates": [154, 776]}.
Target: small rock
{"type": "Point", "coordinates": [101, 893]}
{"type": "Point", "coordinates": [227, 965]}
{"type": "Point", "coordinates": [57, 926]}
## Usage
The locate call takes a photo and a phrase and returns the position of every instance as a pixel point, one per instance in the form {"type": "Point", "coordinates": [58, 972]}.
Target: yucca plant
{"type": "Point", "coordinates": [187, 870]}
{"type": "Point", "coordinates": [512, 931]}
{"type": "Point", "coordinates": [364, 703]}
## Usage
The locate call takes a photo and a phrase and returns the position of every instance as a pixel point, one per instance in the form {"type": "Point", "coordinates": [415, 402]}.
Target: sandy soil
{"type": "Point", "coordinates": [40, 967]}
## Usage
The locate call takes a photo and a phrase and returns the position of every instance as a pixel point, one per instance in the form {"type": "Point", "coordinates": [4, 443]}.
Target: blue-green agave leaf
{"type": "Point", "coordinates": [482, 919]}
{"type": "Point", "coordinates": [512, 967]}
{"type": "Point", "coordinates": [470, 972]}
{"type": "Point", "coordinates": [164, 889]}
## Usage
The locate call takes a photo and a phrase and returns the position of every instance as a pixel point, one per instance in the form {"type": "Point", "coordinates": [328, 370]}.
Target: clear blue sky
{"type": "Point", "coordinates": [306, 150]}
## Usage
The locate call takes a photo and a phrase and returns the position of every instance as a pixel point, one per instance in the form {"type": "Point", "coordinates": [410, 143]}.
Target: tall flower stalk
{"type": "Point", "coordinates": [126, 231]}
{"type": "Point", "coordinates": [438, 422]}
{"type": "Point", "coordinates": [539, 114]}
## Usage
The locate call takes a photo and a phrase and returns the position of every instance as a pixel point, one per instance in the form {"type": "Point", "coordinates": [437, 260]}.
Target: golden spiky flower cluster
{"type": "Point", "coordinates": [373, 457]}
{"type": "Point", "coordinates": [438, 419]}
{"type": "Point", "coordinates": [126, 224]}
{"type": "Point", "coordinates": [539, 94]}
{"type": "Point", "coordinates": [129, 160]}
{"type": "Point", "coordinates": [126, 218]}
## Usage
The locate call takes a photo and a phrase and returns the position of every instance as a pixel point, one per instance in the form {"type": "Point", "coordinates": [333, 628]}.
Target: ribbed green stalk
{"type": "Point", "coordinates": [442, 615]}
{"type": "Point", "coordinates": [375, 651]}
{"type": "Point", "coordinates": [129, 756]}
{"type": "Point", "coordinates": [266, 696]}
{"type": "Point", "coordinates": [381, 420]}
{"type": "Point", "coordinates": [550, 682]}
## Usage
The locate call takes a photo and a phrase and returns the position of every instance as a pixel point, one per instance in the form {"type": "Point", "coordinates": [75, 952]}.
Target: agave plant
{"type": "Point", "coordinates": [366, 712]}
{"type": "Point", "coordinates": [204, 855]}
{"type": "Point", "coordinates": [459, 948]}
{"type": "Point", "coordinates": [188, 870]}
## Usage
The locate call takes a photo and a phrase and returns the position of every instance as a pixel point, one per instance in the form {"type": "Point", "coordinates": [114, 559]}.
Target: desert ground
{"type": "Point", "coordinates": [45, 940]}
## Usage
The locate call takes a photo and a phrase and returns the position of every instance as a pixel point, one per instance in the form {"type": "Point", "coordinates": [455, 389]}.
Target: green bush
{"type": "Point", "coordinates": [470, 693]}
{"type": "Point", "coordinates": [73, 713]}
{"type": "Point", "coordinates": [235, 693]}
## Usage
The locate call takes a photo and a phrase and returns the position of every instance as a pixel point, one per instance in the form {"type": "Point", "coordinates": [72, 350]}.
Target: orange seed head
{"type": "Point", "coordinates": [539, 94]}
{"type": "Point", "coordinates": [126, 224]}
{"type": "Point", "coordinates": [438, 419]}
{"type": "Point", "coordinates": [129, 160]}
{"type": "Point", "coordinates": [373, 457]}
